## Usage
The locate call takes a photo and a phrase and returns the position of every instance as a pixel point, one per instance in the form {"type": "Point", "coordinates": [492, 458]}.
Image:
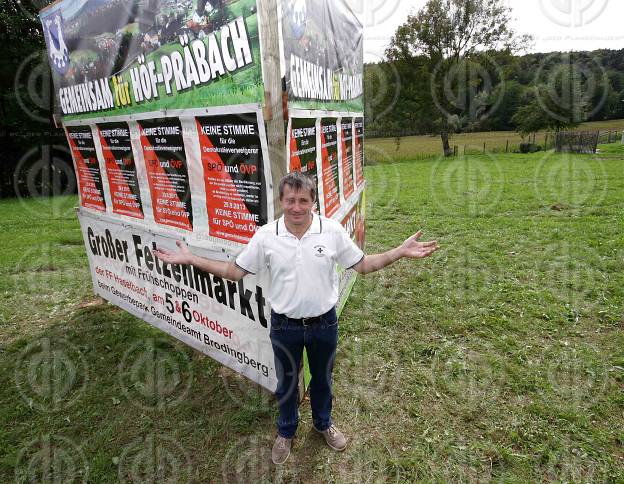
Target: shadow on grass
{"type": "Point", "coordinates": [105, 396]}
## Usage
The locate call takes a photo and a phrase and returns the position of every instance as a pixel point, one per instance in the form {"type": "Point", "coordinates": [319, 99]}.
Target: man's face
{"type": "Point", "coordinates": [297, 206]}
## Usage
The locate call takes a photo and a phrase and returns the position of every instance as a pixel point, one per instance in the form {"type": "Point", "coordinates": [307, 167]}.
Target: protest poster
{"type": "Point", "coordinates": [124, 57]}
{"type": "Point", "coordinates": [121, 169]}
{"type": "Point", "coordinates": [233, 164]}
{"type": "Point", "coordinates": [167, 174]}
{"type": "Point", "coordinates": [359, 151]}
{"type": "Point", "coordinates": [87, 167]}
{"type": "Point", "coordinates": [346, 150]}
{"type": "Point", "coordinates": [303, 148]}
{"type": "Point", "coordinates": [329, 166]}
{"type": "Point", "coordinates": [354, 222]}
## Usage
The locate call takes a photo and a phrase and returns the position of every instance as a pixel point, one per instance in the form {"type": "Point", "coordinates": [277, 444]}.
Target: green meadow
{"type": "Point", "coordinates": [501, 358]}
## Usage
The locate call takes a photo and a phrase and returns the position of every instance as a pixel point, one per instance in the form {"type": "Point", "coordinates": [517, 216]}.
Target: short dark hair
{"type": "Point", "coordinates": [298, 181]}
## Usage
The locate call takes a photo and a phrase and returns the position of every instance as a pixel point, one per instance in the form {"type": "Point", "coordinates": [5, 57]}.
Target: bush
{"type": "Point", "coordinates": [529, 148]}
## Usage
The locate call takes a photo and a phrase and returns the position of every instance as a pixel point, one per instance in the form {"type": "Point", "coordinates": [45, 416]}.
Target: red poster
{"type": "Point", "coordinates": [167, 174]}
{"type": "Point", "coordinates": [303, 149]}
{"type": "Point", "coordinates": [359, 151]}
{"type": "Point", "coordinates": [231, 155]}
{"type": "Point", "coordinates": [329, 156]}
{"type": "Point", "coordinates": [353, 222]}
{"type": "Point", "coordinates": [121, 169]}
{"type": "Point", "coordinates": [87, 167]}
{"type": "Point", "coordinates": [346, 137]}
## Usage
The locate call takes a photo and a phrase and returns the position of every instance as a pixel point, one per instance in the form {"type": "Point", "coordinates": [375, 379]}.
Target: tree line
{"type": "Point", "coordinates": [35, 157]}
{"type": "Point", "coordinates": [456, 66]}
{"type": "Point", "coordinates": [500, 92]}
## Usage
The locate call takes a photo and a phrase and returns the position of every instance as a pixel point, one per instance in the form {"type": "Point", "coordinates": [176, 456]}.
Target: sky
{"type": "Point", "coordinates": [556, 25]}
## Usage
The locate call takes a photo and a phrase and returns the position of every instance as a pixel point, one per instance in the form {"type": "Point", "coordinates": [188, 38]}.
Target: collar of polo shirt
{"type": "Point", "coordinates": [315, 228]}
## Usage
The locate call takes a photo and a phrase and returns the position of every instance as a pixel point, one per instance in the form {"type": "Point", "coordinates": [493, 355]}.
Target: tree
{"type": "Point", "coordinates": [21, 35]}
{"type": "Point", "coordinates": [25, 96]}
{"type": "Point", "coordinates": [560, 102]}
{"type": "Point", "coordinates": [504, 102]}
{"type": "Point", "coordinates": [548, 111]}
{"type": "Point", "coordinates": [530, 118]}
{"type": "Point", "coordinates": [452, 36]}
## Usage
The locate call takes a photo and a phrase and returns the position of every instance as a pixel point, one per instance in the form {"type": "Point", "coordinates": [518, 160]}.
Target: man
{"type": "Point", "coordinates": [300, 250]}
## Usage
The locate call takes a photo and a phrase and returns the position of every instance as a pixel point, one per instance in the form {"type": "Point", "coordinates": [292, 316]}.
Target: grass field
{"type": "Point", "coordinates": [501, 358]}
{"type": "Point", "coordinates": [386, 150]}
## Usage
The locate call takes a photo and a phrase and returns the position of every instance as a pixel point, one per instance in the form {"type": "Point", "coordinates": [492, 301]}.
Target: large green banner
{"type": "Point", "coordinates": [124, 57]}
{"type": "Point", "coordinates": [323, 49]}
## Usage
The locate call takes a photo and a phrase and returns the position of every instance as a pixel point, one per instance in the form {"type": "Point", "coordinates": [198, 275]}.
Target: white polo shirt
{"type": "Point", "coordinates": [304, 281]}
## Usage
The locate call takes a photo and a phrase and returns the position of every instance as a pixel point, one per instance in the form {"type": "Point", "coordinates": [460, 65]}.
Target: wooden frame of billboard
{"type": "Point", "coordinates": [274, 111]}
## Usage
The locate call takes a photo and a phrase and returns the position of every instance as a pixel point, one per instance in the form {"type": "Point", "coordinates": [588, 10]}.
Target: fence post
{"type": "Point", "coordinates": [484, 148]}
{"type": "Point", "coordinates": [507, 147]}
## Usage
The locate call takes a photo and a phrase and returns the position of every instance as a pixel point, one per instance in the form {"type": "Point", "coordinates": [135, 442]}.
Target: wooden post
{"type": "Point", "coordinates": [507, 147]}
{"type": "Point", "coordinates": [273, 95]}
{"type": "Point", "coordinates": [484, 148]}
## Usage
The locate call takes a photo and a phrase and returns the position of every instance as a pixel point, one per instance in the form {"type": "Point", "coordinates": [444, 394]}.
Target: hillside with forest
{"type": "Point", "coordinates": [491, 88]}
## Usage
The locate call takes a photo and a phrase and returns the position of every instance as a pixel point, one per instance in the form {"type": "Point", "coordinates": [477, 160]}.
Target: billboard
{"type": "Point", "coordinates": [164, 108]}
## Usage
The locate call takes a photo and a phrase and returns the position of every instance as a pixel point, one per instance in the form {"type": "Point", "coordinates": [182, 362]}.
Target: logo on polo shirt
{"type": "Point", "coordinates": [319, 250]}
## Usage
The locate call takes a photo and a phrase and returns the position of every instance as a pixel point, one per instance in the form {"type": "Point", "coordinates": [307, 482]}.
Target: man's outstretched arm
{"type": "Point", "coordinates": [411, 249]}
{"type": "Point", "coordinates": [226, 270]}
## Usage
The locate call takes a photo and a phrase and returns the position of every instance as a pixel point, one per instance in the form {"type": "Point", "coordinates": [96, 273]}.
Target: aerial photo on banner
{"type": "Point", "coordinates": [116, 57]}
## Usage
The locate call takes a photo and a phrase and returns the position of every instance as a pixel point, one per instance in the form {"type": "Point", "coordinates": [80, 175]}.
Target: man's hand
{"type": "Point", "coordinates": [182, 257]}
{"type": "Point", "coordinates": [413, 249]}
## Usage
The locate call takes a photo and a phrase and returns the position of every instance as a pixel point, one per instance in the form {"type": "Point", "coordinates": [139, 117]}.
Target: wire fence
{"type": "Point", "coordinates": [414, 148]}
{"type": "Point", "coordinates": [547, 141]}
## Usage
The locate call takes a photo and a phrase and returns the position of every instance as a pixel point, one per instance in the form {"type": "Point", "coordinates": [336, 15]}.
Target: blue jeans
{"type": "Point", "coordinates": [288, 341]}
